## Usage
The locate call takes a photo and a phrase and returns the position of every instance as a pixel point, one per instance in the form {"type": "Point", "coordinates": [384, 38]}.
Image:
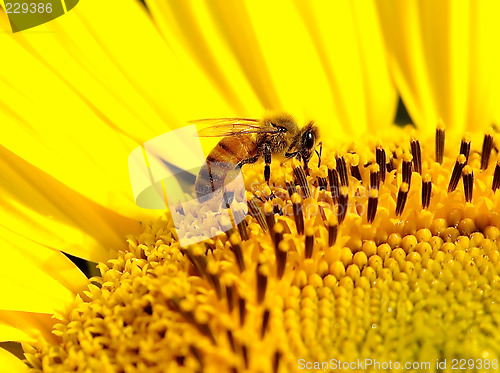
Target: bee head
{"type": "Point", "coordinates": [308, 140]}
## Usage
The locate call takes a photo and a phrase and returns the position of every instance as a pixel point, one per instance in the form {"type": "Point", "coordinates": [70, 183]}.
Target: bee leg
{"type": "Point", "coordinates": [306, 165]}
{"type": "Point", "coordinates": [267, 160]}
{"type": "Point", "coordinates": [251, 160]}
{"type": "Point", "coordinates": [228, 198]}
{"type": "Point", "coordinates": [291, 155]}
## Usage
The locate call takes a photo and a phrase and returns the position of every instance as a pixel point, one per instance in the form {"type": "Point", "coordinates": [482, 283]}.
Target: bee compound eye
{"type": "Point", "coordinates": [308, 140]}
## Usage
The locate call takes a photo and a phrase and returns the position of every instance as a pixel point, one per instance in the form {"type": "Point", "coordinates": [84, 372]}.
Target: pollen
{"type": "Point", "coordinates": [386, 251]}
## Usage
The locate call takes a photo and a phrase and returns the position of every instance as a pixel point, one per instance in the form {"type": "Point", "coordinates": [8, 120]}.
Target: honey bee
{"type": "Point", "coordinates": [245, 141]}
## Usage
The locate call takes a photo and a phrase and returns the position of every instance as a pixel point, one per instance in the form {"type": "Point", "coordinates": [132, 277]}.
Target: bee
{"type": "Point", "coordinates": [245, 141]}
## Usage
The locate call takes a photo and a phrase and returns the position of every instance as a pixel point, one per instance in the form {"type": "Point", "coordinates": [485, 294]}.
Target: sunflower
{"type": "Point", "coordinates": [383, 256]}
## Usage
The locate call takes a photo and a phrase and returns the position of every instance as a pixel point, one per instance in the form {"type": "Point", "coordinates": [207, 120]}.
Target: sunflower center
{"type": "Point", "coordinates": [384, 252]}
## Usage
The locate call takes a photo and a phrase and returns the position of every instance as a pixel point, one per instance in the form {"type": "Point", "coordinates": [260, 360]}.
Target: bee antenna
{"type": "Point", "coordinates": [320, 144]}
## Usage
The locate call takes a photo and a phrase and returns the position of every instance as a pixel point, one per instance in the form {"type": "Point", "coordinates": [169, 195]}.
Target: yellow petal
{"type": "Point", "coordinates": [194, 34]}
{"type": "Point", "coordinates": [40, 282]}
{"type": "Point", "coordinates": [38, 212]}
{"type": "Point", "coordinates": [25, 326]}
{"type": "Point", "coordinates": [289, 55]}
{"type": "Point", "coordinates": [81, 92]}
{"type": "Point", "coordinates": [347, 39]}
{"type": "Point", "coordinates": [53, 262]}
{"type": "Point", "coordinates": [10, 363]}
{"type": "Point", "coordinates": [442, 59]}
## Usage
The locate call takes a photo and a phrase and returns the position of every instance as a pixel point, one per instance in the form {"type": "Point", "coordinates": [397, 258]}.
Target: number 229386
{"type": "Point", "coordinates": [28, 7]}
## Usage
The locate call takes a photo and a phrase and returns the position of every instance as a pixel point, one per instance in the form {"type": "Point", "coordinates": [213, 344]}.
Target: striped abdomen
{"type": "Point", "coordinates": [230, 151]}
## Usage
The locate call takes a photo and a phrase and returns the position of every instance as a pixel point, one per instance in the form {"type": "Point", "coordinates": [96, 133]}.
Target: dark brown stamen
{"type": "Point", "coordinates": [262, 274]}
{"type": "Point", "coordinates": [213, 278]}
{"type": "Point", "coordinates": [298, 213]}
{"type": "Point", "coordinates": [255, 211]}
{"type": "Point", "coordinates": [269, 214]}
{"type": "Point", "coordinates": [355, 167]}
{"type": "Point", "coordinates": [242, 310]}
{"type": "Point", "coordinates": [407, 168]}
{"type": "Point", "coordinates": [332, 231]}
{"type": "Point", "coordinates": [426, 191]}
{"type": "Point", "coordinates": [343, 203]}
{"type": "Point", "coordinates": [291, 189]}
{"type": "Point", "coordinates": [457, 172]}
{"type": "Point", "coordinates": [244, 351]}
{"type": "Point", "coordinates": [230, 291]}
{"type": "Point", "coordinates": [203, 328]}
{"type": "Point", "coordinates": [417, 155]}
{"type": "Point", "coordinates": [243, 229]}
{"type": "Point", "coordinates": [342, 170]}
{"type": "Point", "coordinates": [197, 354]}
{"type": "Point", "coordinates": [375, 176]}
{"type": "Point", "coordinates": [236, 249]}
{"type": "Point", "coordinates": [332, 234]}
{"type": "Point", "coordinates": [322, 183]}
{"type": "Point", "coordinates": [265, 321]}
{"type": "Point", "coordinates": [309, 242]}
{"type": "Point", "coordinates": [198, 259]}
{"type": "Point", "coordinates": [402, 196]}
{"type": "Point", "coordinates": [281, 255]}
{"type": "Point", "coordinates": [496, 178]}
{"type": "Point", "coordinates": [380, 156]}
{"type": "Point", "coordinates": [390, 164]}
{"type": "Point", "coordinates": [276, 361]}
{"type": "Point", "coordinates": [230, 339]}
{"type": "Point", "coordinates": [301, 179]}
{"type": "Point", "coordinates": [465, 147]}
{"type": "Point", "coordinates": [333, 180]}
{"type": "Point", "coordinates": [322, 212]}
{"type": "Point", "coordinates": [277, 236]}
{"type": "Point", "coordinates": [372, 204]}
{"type": "Point", "coordinates": [440, 136]}
{"type": "Point", "coordinates": [355, 172]}
{"type": "Point", "coordinates": [468, 180]}
{"type": "Point", "coordinates": [485, 155]}
{"type": "Point", "coordinates": [188, 252]}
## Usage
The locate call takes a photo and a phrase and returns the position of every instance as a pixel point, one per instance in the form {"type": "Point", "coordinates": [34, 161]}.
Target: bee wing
{"type": "Point", "coordinates": [220, 127]}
